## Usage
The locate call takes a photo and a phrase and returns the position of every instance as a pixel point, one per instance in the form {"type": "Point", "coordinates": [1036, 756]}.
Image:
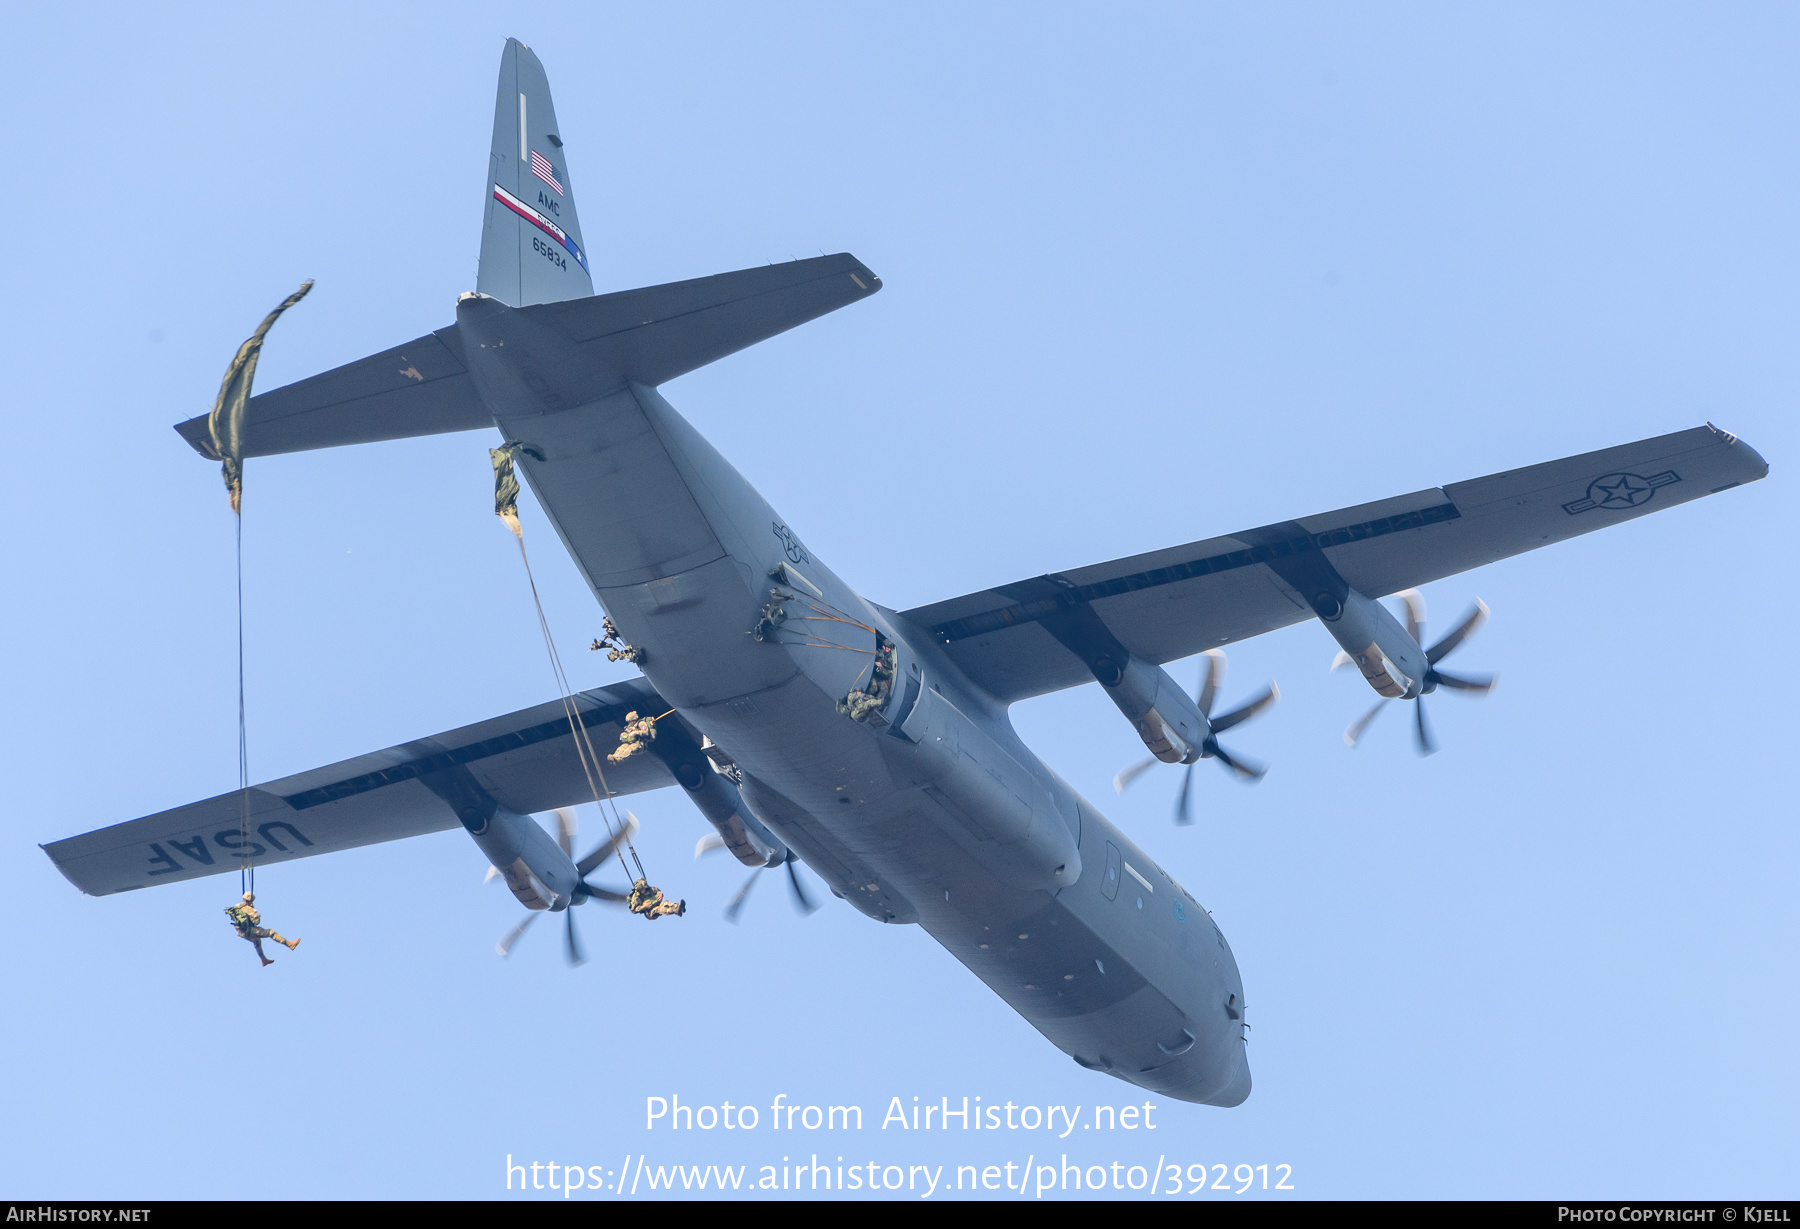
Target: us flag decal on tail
{"type": "Point", "coordinates": [540, 166]}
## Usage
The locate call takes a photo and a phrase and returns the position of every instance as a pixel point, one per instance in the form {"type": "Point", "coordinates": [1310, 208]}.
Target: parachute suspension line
{"type": "Point", "coordinates": [225, 426]}
{"type": "Point", "coordinates": [246, 868]}
{"type": "Point", "coordinates": [584, 748]}
{"type": "Point", "coordinates": [857, 684]}
{"type": "Point", "coordinates": [506, 495]}
{"type": "Point", "coordinates": [843, 616]}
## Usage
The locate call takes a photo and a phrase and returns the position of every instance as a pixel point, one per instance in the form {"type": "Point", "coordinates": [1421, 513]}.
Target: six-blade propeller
{"type": "Point", "coordinates": [565, 837]}
{"type": "Point", "coordinates": [1477, 684]}
{"type": "Point", "coordinates": [1212, 673]}
{"type": "Point", "coordinates": [802, 901]}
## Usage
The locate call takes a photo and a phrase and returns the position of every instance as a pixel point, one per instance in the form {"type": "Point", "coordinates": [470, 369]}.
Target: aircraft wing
{"type": "Point", "coordinates": [1173, 603]}
{"type": "Point", "coordinates": [525, 761]}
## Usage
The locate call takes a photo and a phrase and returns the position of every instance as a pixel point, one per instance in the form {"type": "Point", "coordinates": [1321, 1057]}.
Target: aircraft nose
{"type": "Point", "coordinates": [1237, 1089]}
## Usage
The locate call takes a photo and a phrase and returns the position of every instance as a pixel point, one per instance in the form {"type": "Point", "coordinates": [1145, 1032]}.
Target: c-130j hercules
{"type": "Point", "coordinates": [916, 802]}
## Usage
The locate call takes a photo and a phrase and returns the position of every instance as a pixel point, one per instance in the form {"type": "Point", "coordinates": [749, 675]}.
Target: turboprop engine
{"type": "Point", "coordinates": [542, 873]}
{"type": "Point", "coordinates": [709, 777]}
{"type": "Point", "coordinates": [1172, 726]}
{"type": "Point", "coordinates": [1390, 658]}
{"type": "Point", "coordinates": [1175, 728]}
{"type": "Point", "coordinates": [1154, 703]}
{"type": "Point", "coordinates": [537, 870]}
{"type": "Point", "coordinates": [1394, 659]}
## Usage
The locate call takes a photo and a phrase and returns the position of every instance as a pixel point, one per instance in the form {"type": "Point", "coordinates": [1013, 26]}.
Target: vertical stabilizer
{"type": "Point", "coordinates": [531, 248]}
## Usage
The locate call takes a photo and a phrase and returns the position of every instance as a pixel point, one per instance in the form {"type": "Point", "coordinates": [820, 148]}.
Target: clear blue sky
{"type": "Point", "coordinates": [1152, 274]}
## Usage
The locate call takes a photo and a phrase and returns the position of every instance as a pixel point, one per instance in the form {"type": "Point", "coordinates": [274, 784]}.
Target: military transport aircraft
{"type": "Point", "coordinates": [893, 770]}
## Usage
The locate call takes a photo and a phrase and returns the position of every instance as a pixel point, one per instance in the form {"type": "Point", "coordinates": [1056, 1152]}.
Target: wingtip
{"type": "Point", "coordinates": [198, 437]}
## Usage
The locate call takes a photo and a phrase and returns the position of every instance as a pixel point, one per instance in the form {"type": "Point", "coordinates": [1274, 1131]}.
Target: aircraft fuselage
{"type": "Point", "coordinates": [929, 809]}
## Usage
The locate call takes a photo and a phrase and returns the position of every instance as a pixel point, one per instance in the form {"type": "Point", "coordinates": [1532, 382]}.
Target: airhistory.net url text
{"type": "Point", "coordinates": [639, 1177]}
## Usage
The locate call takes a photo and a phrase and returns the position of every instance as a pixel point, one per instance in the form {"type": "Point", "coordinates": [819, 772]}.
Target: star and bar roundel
{"type": "Point", "coordinates": [1617, 492]}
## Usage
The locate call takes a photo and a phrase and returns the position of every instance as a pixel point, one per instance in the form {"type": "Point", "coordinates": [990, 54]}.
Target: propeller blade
{"type": "Point", "coordinates": [743, 894]}
{"type": "Point", "coordinates": [512, 936]}
{"type": "Point", "coordinates": [610, 847]}
{"type": "Point", "coordinates": [1238, 715]}
{"type": "Point", "coordinates": [708, 843]}
{"type": "Point", "coordinates": [1362, 723]}
{"type": "Point", "coordinates": [1246, 769]}
{"type": "Point", "coordinates": [604, 894]}
{"type": "Point", "coordinates": [576, 956]}
{"type": "Point", "coordinates": [1422, 731]}
{"type": "Point", "coordinates": [1468, 627]}
{"type": "Point", "coordinates": [1127, 776]}
{"type": "Point", "coordinates": [1211, 675]}
{"type": "Point", "coordinates": [1415, 613]}
{"type": "Point", "coordinates": [493, 874]}
{"type": "Point", "coordinates": [1481, 684]}
{"type": "Point", "coordinates": [1182, 814]}
{"type": "Point", "coordinates": [801, 901]}
{"type": "Point", "coordinates": [565, 830]}
{"type": "Point", "coordinates": [1342, 659]}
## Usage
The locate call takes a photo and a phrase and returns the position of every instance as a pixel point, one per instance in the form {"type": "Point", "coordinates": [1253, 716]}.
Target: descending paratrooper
{"type": "Point", "coordinates": [614, 644]}
{"type": "Point", "coordinates": [648, 902]}
{"type": "Point", "coordinates": [638, 734]}
{"type": "Point", "coordinates": [248, 923]}
{"type": "Point", "coordinates": [771, 616]}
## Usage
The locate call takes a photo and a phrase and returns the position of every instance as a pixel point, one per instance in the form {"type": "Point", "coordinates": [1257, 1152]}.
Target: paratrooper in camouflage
{"type": "Point", "coordinates": [771, 616]}
{"type": "Point", "coordinates": [648, 902]}
{"type": "Point", "coordinates": [638, 734]}
{"type": "Point", "coordinates": [248, 923]}
{"type": "Point", "coordinates": [861, 705]}
{"type": "Point", "coordinates": [883, 671]}
{"type": "Point", "coordinates": [614, 644]}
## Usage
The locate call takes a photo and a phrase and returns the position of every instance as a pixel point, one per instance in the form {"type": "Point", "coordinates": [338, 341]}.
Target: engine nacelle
{"type": "Point", "coordinates": [1164, 715]}
{"type": "Point", "coordinates": [534, 866]}
{"type": "Point", "coordinates": [717, 797]}
{"type": "Point", "coordinates": [1390, 659]}
{"type": "Point", "coordinates": [718, 800]}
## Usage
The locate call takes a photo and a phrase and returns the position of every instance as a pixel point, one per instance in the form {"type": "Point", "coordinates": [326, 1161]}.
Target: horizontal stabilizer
{"type": "Point", "coordinates": [653, 335]}
{"type": "Point", "coordinates": [524, 762]}
{"type": "Point", "coordinates": [420, 388]}
{"type": "Point", "coordinates": [646, 336]}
